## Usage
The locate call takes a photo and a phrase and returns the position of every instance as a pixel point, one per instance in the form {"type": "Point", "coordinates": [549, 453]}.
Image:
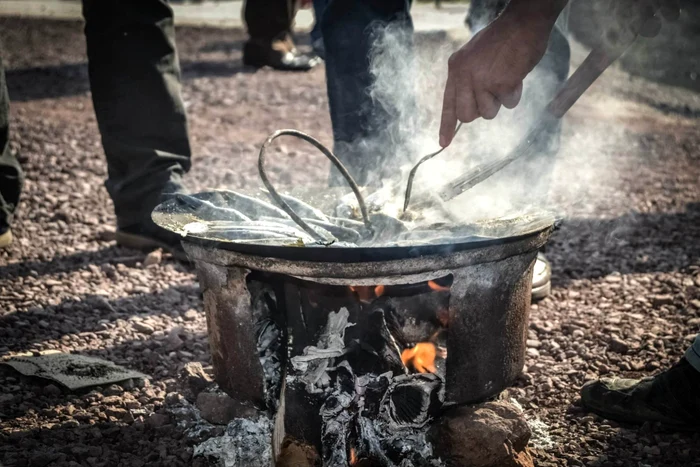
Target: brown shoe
{"type": "Point", "coordinates": [278, 54]}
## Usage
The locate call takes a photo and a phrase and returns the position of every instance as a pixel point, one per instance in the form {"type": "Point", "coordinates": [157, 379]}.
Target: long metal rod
{"type": "Point", "coordinates": [597, 61]}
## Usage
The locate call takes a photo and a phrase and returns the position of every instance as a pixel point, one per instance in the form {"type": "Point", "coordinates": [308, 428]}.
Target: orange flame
{"type": "Point", "coordinates": [353, 456]}
{"type": "Point", "coordinates": [422, 356]}
{"type": "Point", "coordinates": [367, 293]}
{"type": "Point", "coordinates": [437, 287]}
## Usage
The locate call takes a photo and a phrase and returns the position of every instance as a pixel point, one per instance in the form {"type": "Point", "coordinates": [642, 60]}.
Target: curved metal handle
{"type": "Point", "coordinates": [333, 158]}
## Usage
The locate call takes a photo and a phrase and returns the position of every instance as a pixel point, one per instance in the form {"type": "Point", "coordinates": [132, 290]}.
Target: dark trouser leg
{"type": "Point", "coordinates": [10, 171]}
{"type": "Point", "coordinates": [693, 354]}
{"type": "Point", "coordinates": [319, 8]}
{"type": "Point", "coordinates": [349, 30]}
{"type": "Point", "coordinates": [269, 20]}
{"type": "Point", "coordinates": [135, 82]}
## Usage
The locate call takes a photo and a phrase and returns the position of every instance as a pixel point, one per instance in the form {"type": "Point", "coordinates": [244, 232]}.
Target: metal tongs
{"type": "Point", "coordinates": [597, 61]}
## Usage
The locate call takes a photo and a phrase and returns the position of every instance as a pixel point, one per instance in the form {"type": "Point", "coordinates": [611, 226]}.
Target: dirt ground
{"type": "Point", "coordinates": [625, 301]}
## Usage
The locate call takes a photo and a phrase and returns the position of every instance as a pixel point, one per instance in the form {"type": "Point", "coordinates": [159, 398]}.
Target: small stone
{"type": "Point", "coordinates": [142, 327]}
{"type": "Point", "coordinates": [157, 420]}
{"type": "Point", "coordinates": [116, 412]}
{"type": "Point", "coordinates": [140, 382]}
{"type": "Point", "coordinates": [695, 304]}
{"type": "Point", "coordinates": [533, 353]}
{"type": "Point", "coordinates": [533, 343]}
{"type": "Point", "coordinates": [112, 400]}
{"type": "Point", "coordinates": [190, 315]}
{"type": "Point", "coordinates": [173, 341]}
{"type": "Point", "coordinates": [132, 405]}
{"type": "Point", "coordinates": [173, 398]}
{"type": "Point", "coordinates": [603, 369]}
{"type": "Point", "coordinates": [618, 346]}
{"type": "Point", "coordinates": [153, 258]}
{"type": "Point", "coordinates": [218, 408]}
{"type": "Point", "coordinates": [194, 380]}
{"type": "Point", "coordinates": [660, 300]}
{"type": "Point", "coordinates": [52, 390]}
{"type": "Point", "coordinates": [113, 390]}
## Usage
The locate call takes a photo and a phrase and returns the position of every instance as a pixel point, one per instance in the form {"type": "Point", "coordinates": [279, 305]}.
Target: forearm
{"type": "Point", "coordinates": [540, 11]}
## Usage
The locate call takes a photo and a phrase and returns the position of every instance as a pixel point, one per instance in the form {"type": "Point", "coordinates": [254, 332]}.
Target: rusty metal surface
{"type": "Point", "coordinates": [489, 312]}
{"type": "Point", "coordinates": [232, 340]}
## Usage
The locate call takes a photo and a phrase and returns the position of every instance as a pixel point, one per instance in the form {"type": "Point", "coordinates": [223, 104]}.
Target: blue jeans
{"type": "Point", "coordinates": [349, 30]}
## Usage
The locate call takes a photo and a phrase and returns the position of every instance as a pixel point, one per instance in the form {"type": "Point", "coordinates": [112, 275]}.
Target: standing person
{"type": "Point", "coordinates": [349, 33]}
{"type": "Point", "coordinates": [135, 82]}
{"type": "Point", "coordinates": [271, 42]}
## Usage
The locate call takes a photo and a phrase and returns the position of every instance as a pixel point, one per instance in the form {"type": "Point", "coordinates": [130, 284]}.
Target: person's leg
{"type": "Point", "coordinates": [693, 354]}
{"type": "Point", "coordinates": [269, 24]}
{"type": "Point", "coordinates": [316, 33]}
{"type": "Point", "coordinates": [670, 398]}
{"type": "Point", "coordinates": [10, 171]}
{"type": "Point", "coordinates": [135, 81]}
{"type": "Point", "coordinates": [349, 31]}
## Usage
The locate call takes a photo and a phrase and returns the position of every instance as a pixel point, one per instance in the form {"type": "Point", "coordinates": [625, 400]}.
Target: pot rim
{"type": "Point", "coordinates": [334, 265]}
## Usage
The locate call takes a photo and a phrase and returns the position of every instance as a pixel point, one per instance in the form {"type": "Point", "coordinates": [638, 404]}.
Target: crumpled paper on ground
{"type": "Point", "coordinates": [72, 370]}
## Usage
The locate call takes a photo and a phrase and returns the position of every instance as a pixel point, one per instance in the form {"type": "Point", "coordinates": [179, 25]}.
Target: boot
{"type": "Point", "coordinates": [671, 398]}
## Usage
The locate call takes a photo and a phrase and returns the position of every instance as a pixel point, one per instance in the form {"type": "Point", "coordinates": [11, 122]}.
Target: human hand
{"type": "Point", "coordinates": [489, 70]}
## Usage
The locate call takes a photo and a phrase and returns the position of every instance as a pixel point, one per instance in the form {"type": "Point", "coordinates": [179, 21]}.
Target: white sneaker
{"type": "Point", "coordinates": [541, 278]}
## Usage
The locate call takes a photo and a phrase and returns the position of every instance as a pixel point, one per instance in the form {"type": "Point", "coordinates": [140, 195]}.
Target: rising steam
{"type": "Point", "coordinates": [409, 75]}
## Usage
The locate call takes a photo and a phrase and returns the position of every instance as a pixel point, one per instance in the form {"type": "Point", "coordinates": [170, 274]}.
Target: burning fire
{"type": "Point", "coordinates": [353, 456]}
{"type": "Point", "coordinates": [367, 293]}
{"type": "Point", "coordinates": [437, 287]}
{"type": "Point", "coordinates": [422, 356]}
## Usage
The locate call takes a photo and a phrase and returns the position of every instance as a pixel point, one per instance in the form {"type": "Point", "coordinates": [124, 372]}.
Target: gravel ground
{"type": "Point", "coordinates": [626, 296]}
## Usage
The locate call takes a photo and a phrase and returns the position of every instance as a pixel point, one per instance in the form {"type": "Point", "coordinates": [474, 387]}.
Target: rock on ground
{"type": "Point", "coordinates": [492, 434]}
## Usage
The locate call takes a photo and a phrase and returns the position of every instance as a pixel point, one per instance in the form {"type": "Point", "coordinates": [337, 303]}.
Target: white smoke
{"type": "Point", "coordinates": [409, 75]}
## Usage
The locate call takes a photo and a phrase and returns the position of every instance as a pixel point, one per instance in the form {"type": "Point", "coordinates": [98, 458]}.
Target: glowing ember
{"type": "Point", "coordinates": [437, 287]}
{"type": "Point", "coordinates": [422, 357]}
{"type": "Point", "coordinates": [379, 290]}
{"type": "Point", "coordinates": [353, 456]}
